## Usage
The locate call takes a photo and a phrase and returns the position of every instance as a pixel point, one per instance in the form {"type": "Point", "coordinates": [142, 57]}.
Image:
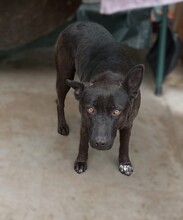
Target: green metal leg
{"type": "Point", "coordinates": [161, 52]}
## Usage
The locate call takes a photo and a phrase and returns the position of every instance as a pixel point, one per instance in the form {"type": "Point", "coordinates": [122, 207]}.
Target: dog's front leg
{"type": "Point", "coordinates": [125, 166]}
{"type": "Point", "coordinates": [80, 165]}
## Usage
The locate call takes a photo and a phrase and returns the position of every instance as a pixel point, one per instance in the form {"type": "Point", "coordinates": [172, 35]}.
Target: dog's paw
{"type": "Point", "coordinates": [126, 169]}
{"type": "Point", "coordinates": [80, 167]}
{"type": "Point", "coordinates": [63, 129]}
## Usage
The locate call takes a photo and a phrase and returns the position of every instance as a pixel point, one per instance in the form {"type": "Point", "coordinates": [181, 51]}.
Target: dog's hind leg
{"type": "Point", "coordinates": [65, 70]}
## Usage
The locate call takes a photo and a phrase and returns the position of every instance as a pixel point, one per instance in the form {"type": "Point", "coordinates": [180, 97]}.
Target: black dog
{"type": "Point", "coordinates": [108, 94]}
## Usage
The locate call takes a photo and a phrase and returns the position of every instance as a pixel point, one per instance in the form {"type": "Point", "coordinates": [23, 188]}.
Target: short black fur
{"type": "Point", "coordinates": [108, 91]}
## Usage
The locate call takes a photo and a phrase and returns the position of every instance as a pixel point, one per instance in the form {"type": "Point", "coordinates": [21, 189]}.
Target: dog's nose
{"type": "Point", "coordinates": [100, 142]}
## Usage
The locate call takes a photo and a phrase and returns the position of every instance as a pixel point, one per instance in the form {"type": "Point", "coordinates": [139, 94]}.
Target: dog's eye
{"type": "Point", "coordinates": [90, 110]}
{"type": "Point", "coordinates": [116, 112]}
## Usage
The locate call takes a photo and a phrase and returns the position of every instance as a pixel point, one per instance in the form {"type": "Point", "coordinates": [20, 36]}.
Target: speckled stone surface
{"type": "Point", "coordinates": [37, 180]}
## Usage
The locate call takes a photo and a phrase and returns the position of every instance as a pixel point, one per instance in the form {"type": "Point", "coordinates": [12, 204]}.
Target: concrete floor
{"type": "Point", "coordinates": [37, 180]}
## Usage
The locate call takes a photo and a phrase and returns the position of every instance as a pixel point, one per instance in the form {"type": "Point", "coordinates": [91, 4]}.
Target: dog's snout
{"type": "Point", "coordinates": [101, 143]}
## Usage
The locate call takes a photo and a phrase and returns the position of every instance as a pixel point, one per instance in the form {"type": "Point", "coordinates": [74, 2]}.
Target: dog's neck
{"type": "Point", "coordinates": [108, 77]}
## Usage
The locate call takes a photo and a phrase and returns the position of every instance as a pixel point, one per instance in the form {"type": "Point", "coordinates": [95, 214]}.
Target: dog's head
{"type": "Point", "coordinates": [105, 106]}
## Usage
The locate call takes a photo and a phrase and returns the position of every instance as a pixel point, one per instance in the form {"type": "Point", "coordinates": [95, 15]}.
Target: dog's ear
{"type": "Point", "coordinates": [78, 88]}
{"type": "Point", "coordinates": [133, 80]}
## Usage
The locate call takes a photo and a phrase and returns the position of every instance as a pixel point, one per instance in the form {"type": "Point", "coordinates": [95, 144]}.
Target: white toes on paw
{"type": "Point", "coordinates": [126, 169]}
{"type": "Point", "coordinates": [80, 167]}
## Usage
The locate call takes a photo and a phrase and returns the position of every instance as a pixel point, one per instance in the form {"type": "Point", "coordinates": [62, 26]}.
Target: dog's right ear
{"type": "Point", "coordinates": [78, 88]}
{"type": "Point", "coordinates": [134, 80]}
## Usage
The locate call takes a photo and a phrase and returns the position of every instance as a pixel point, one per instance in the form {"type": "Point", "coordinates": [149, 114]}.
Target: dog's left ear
{"type": "Point", "coordinates": [78, 88]}
{"type": "Point", "coordinates": [133, 80]}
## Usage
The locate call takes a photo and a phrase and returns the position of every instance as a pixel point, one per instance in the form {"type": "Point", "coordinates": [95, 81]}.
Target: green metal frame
{"type": "Point", "coordinates": [49, 40]}
{"type": "Point", "coordinates": [161, 52]}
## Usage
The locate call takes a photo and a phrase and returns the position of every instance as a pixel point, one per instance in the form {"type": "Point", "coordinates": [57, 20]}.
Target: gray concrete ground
{"type": "Point", "coordinates": [37, 180]}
